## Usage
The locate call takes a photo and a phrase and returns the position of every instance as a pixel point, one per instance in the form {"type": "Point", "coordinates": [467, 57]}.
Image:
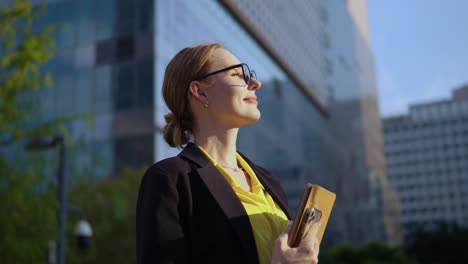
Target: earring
{"type": "Point", "coordinates": [206, 104]}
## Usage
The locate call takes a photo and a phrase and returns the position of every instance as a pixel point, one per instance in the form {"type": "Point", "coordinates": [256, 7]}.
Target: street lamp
{"type": "Point", "coordinates": [83, 231]}
{"type": "Point", "coordinates": [83, 228]}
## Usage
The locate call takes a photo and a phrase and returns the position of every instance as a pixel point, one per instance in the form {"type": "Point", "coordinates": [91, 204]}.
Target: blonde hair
{"type": "Point", "coordinates": [186, 66]}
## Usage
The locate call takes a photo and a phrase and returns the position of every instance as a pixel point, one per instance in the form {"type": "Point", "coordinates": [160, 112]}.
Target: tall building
{"type": "Point", "coordinates": [427, 157]}
{"type": "Point", "coordinates": [385, 196]}
{"type": "Point", "coordinates": [358, 11]}
{"type": "Point", "coordinates": [319, 110]}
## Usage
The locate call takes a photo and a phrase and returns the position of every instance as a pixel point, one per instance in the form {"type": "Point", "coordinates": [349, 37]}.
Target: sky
{"type": "Point", "coordinates": [420, 50]}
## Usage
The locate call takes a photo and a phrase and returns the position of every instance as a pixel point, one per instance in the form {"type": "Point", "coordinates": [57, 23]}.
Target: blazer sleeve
{"type": "Point", "coordinates": [159, 232]}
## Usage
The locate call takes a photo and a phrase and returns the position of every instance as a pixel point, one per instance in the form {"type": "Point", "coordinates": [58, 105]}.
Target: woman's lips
{"type": "Point", "coordinates": [251, 99]}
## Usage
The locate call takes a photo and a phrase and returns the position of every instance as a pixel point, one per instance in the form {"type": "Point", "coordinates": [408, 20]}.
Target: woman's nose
{"type": "Point", "coordinates": [254, 84]}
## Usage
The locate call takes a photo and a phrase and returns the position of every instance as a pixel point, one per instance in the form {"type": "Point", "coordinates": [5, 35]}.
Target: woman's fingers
{"type": "Point", "coordinates": [310, 246]}
{"type": "Point", "coordinates": [282, 239]}
{"type": "Point", "coordinates": [311, 233]}
{"type": "Point", "coordinates": [306, 253]}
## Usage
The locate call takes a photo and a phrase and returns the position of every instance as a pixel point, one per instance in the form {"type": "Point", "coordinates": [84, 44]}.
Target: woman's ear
{"type": "Point", "coordinates": [197, 91]}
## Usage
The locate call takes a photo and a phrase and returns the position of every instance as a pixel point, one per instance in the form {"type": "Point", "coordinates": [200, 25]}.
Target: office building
{"type": "Point", "coordinates": [427, 156]}
{"type": "Point", "coordinates": [319, 112]}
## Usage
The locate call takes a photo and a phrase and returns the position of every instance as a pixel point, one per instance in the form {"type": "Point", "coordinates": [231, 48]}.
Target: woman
{"type": "Point", "coordinates": [211, 204]}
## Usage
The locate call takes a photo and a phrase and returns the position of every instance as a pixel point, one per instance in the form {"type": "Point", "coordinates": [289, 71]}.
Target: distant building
{"type": "Point", "coordinates": [320, 120]}
{"type": "Point", "coordinates": [427, 161]}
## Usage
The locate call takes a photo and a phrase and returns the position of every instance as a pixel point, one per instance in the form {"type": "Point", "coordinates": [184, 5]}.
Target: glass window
{"type": "Point", "coordinates": [103, 89]}
{"type": "Point", "coordinates": [103, 126]}
{"type": "Point", "coordinates": [64, 89]}
{"type": "Point", "coordinates": [105, 51]}
{"type": "Point", "coordinates": [102, 158]}
{"type": "Point", "coordinates": [64, 14]}
{"type": "Point", "coordinates": [126, 17]}
{"type": "Point", "coordinates": [123, 89]}
{"type": "Point", "coordinates": [47, 104]}
{"type": "Point", "coordinates": [86, 24]}
{"type": "Point", "coordinates": [84, 90]}
{"type": "Point", "coordinates": [125, 48]}
{"type": "Point", "coordinates": [85, 56]}
{"type": "Point", "coordinates": [145, 15]}
{"type": "Point", "coordinates": [105, 19]}
{"type": "Point", "coordinates": [144, 85]}
{"type": "Point", "coordinates": [64, 60]}
{"type": "Point", "coordinates": [80, 152]}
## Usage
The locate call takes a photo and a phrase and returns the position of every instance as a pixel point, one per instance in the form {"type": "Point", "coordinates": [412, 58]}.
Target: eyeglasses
{"type": "Point", "coordinates": [246, 72]}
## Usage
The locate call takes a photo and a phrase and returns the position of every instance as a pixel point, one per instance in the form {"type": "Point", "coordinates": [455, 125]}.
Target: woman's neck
{"type": "Point", "coordinates": [220, 145]}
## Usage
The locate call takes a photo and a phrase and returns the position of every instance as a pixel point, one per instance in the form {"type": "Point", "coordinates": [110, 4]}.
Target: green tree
{"type": "Point", "coordinates": [23, 51]}
{"type": "Point", "coordinates": [27, 214]}
{"type": "Point", "coordinates": [110, 208]}
{"type": "Point", "coordinates": [446, 243]}
{"type": "Point", "coordinates": [28, 218]}
{"type": "Point", "coordinates": [372, 253]}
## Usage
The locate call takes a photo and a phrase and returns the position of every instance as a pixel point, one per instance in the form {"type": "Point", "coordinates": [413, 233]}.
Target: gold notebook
{"type": "Point", "coordinates": [315, 205]}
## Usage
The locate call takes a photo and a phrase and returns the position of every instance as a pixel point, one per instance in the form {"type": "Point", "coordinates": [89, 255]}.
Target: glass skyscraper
{"type": "Point", "coordinates": [319, 113]}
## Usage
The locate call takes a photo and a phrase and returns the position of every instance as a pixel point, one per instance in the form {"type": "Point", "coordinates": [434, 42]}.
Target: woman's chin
{"type": "Point", "coordinates": [254, 117]}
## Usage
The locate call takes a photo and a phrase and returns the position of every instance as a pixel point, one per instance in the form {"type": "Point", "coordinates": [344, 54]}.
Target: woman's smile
{"type": "Point", "coordinates": [251, 99]}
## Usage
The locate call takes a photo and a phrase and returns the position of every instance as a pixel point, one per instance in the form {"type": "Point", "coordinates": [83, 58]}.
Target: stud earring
{"type": "Point", "coordinates": [206, 104]}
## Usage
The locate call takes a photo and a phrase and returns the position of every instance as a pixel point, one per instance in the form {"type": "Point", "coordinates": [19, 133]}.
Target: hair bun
{"type": "Point", "coordinates": [175, 130]}
{"type": "Point", "coordinates": [170, 118]}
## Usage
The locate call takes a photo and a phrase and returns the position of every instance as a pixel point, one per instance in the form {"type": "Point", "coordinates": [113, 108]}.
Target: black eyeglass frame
{"type": "Point", "coordinates": [245, 68]}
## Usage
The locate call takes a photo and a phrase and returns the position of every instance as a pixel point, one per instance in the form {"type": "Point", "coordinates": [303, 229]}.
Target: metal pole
{"type": "Point", "coordinates": [62, 199]}
{"type": "Point", "coordinates": [52, 252]}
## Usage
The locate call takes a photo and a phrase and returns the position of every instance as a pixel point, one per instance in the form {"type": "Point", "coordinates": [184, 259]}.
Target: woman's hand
{"type": "Point", "coordinates": [307, 252]}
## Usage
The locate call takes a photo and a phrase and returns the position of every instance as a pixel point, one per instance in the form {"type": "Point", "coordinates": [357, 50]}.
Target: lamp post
{"type": "Point", "coordinates": [83, 231]}
{"type": "Point", "coordinates": [44, 142]}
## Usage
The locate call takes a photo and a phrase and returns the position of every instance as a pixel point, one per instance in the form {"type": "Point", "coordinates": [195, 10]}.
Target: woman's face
{"type": "Point", "coordinates": [231, 100]}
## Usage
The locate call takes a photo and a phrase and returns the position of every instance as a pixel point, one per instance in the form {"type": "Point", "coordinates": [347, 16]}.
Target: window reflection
{"type": "Point", "coordinates": [123, 89]}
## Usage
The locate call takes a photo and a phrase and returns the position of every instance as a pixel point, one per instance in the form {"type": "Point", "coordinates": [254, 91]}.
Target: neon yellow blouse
{"type": "Point", "coordinates": [266, 217]}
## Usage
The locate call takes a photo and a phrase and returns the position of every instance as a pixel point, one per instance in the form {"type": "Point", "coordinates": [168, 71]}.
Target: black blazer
{"type": "Point", "coordinates": [188, 213]}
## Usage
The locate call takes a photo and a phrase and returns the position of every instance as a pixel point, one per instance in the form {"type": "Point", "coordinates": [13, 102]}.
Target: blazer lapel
{"type": "Point", "coordinates": [225, 197]}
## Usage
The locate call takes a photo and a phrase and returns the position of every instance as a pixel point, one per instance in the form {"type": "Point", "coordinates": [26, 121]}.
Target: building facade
{"type": "Point", "coordinates": [427, 157]}
{"type": "Point", "coordinates": [319, 110]}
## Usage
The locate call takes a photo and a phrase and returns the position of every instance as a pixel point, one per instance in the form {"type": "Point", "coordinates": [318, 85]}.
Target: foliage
{"type": "Point", "coordinates": [446, 243]}
{"type": "Point", "coordinates": [27, 214]}
{"type": "Point", "coordinates": [110, 208]}
{"type": "Point", "coordinates": [371, 253]}
{"type": "Point", "coordinates": [23, 51]}
{"type": "Point", "coordinates": [29, 209]}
